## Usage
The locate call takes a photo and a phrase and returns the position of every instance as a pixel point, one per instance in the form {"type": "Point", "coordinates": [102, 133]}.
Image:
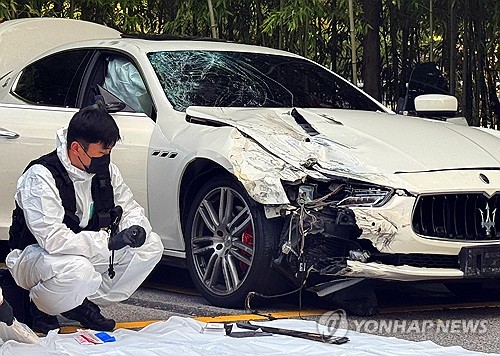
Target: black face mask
{"type": "Point", "coordinates": [98, 165]}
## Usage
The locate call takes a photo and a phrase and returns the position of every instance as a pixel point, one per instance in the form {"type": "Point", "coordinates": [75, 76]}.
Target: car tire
{"type": "Point", "coordinates": [229, 244]}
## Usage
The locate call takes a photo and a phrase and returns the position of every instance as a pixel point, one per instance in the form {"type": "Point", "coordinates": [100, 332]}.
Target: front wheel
{"type": "Point", "coordinates": [229, 243]}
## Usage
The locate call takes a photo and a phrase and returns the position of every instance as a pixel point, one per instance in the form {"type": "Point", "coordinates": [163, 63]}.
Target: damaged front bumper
{"type": "Point", "coordinates": [326, 247]}
{"type": "Point", "coordinates": [398, 273]}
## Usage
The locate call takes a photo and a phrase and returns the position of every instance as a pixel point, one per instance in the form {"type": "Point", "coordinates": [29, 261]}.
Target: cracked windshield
{"type": "Point", "coordinates": [238, 79]}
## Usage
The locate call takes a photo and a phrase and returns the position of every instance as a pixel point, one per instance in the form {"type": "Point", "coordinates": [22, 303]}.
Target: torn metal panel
{"type": "Point", "coordinates": [367, 146]}
{"type": "Point", "coordinates": [377, 227]}
{"type": "Point", "coordinates": [398, 273]}
{"type": "Point", "coordinates": [381, 225]}
{"type": "Point", "coordinates": [260, 173]}
{"type": "Point", "coordinates": [278, 132]}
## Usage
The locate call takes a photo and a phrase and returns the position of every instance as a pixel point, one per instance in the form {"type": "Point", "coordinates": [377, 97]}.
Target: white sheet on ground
{"type": "Point", "coordinates": [18, 332]}
{"type": "Point", "coordinates": [182, 336]}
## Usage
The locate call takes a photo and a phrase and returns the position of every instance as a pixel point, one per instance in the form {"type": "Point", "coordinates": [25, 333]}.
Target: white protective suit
{"type": "Point", "coordinates": [65, 268]}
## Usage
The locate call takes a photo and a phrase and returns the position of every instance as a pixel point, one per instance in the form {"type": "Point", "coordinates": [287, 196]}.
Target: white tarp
{"type": "Point", "coordinates": [181, 336]}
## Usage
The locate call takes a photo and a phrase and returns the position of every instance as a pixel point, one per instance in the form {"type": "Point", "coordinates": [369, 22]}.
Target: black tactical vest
{"type": "Point", "coordinates": [102, 194]}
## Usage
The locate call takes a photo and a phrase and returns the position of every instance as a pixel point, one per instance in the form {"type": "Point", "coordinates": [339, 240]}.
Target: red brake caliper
{"type": "Point", "coordinates": [247, 239]}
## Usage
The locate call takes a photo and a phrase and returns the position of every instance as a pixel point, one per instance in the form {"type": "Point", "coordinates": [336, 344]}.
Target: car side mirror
{"type": "Point", "coordinates": [115, 106]}
{"type": "Point", "coordinates": [436, 106]}
{"type": "Point", "coordinates": [112, 103]}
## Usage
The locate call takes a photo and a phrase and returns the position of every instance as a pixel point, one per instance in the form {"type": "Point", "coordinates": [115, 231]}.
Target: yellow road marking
{"type": "Point", "coordinates": [291, 314]}
{"type": "Point", "coordinates": [245, 317]}
{"type": "Point", "coordinates": [67, 329]}
{"type": "Point", "coordinates": [318, 312]}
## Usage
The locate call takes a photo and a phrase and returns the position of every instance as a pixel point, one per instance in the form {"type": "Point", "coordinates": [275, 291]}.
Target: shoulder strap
{"type": "Point", "coordinates": [65, 186]}
{"type": "Point", "coordinates": [19, 234]}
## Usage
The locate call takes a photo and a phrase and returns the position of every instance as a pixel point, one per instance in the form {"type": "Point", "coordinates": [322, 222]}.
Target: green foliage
{"type": "Point", "coordinates": [465, 41]}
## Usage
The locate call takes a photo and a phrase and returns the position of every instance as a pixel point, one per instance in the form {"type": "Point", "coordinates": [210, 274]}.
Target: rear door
{"type": "Point", "coordinates": [44, 98]}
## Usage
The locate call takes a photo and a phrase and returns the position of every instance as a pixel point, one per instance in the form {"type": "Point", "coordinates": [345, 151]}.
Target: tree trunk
{"type": "Point", "coordinates": [493, 78]}
{"type": "Point", "coordinates": [480, 73]}
{"type": "Point", "coordinates": [405, 52]}
{"type": "Point", "coordinates": [230, 22]}
{"type": "Point", "coordinates": [393, 35]}
{"type": "Point", "coordinates": [371, 66]}
{"type": "Point", "coordinates": [333, 43]}
{"type": "Point", "coordinates": [467, 74]}
{"type": "Point", "coordinates": [261, 40]}
{"type": "Point", "coordinates": [280, 33]}
{"type": "Point", "coordinates": [453, 47]}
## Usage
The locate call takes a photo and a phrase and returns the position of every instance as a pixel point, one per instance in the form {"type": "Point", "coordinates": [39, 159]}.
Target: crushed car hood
{"type": "Point", "coordinates": [357, 142]}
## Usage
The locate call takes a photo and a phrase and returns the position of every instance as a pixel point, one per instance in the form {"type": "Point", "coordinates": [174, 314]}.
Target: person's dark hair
{"type": "Point", "coordinates": [93, 124]}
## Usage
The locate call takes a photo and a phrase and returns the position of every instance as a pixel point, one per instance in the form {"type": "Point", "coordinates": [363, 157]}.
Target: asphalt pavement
{"type": "Point", "coordinates": [417, 312]}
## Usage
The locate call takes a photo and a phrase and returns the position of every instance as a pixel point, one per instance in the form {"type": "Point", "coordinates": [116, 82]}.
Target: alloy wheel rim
{"type": "Point", "coordinates": [222, 240]}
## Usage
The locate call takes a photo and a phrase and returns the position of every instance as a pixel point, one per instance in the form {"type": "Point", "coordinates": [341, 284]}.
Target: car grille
{"type": "Point", "coordinates": [465, 217]}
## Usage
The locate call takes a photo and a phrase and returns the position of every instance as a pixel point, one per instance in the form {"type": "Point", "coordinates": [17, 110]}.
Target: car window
{"type": "Point", "coordinates": [116, 80]}
{"type": "Point", "coordinates": [240, 79]}
{"type": "Point", "coordinates": [55, 80]}
{"type": "Point", "coordinates": [124, 81]}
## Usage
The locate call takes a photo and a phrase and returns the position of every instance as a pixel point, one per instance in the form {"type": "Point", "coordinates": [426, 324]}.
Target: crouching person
{"type": "Point", "coordinates": [74, 214]}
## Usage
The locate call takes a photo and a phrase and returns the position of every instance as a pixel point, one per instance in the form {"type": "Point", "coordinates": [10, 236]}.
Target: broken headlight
{"type": "Point", "coordinates": [317, 194]}
{"type": "Point", "coordinates": [365, 196]}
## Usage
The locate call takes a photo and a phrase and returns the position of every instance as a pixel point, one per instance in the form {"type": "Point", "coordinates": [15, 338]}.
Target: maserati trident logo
{"type": "Point", "coordinates": [488, 221]}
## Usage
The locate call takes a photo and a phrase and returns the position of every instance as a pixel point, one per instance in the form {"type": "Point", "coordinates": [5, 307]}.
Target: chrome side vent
{"type": "Point", "coordinates": [163, 154]}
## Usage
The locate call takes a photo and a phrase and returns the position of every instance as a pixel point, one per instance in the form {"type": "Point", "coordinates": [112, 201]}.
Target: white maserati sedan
{"type": "Point", "coordinates": [258, 167]}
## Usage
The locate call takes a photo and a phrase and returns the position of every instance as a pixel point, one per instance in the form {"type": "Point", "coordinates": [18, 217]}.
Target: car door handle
{"type": "Point", "coordinates": [8, 134]}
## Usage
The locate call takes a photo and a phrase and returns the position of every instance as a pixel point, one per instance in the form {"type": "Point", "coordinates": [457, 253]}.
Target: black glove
{"type": "Point", "coordinates": [6, 314]}
{"type": "Point", "coordinates": [115, 214]}
{"type": "Point", "coordinates": [134, 236]}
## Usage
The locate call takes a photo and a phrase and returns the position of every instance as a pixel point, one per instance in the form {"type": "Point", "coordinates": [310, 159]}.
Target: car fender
{"type": "Point", "coordinates": [260, 172]}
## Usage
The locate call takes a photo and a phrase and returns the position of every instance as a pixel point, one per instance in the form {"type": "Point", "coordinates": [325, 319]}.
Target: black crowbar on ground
{"type": "Point", "coordinates": [327, 339]}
